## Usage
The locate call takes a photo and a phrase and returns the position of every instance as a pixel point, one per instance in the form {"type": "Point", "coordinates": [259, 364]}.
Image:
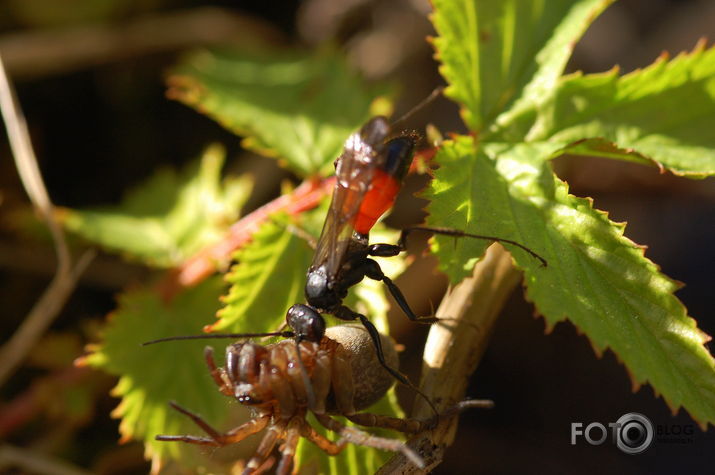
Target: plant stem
{"type": "Point", "coordinates": [63, 283]}
{"type": "Point", "coordinates": [207, 261]}
{"type": "Point", "coordinates": [454, 348]}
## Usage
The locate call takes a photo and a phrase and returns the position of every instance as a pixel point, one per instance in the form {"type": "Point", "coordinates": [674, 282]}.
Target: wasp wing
{"type": "Point", "coordinates": [354, 170]}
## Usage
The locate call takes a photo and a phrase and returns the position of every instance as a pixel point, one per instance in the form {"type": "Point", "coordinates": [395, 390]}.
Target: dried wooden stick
{"type": "Point", "coordinates": [453, 350]}
{"type": "Point", "coordinates": [54, 297]}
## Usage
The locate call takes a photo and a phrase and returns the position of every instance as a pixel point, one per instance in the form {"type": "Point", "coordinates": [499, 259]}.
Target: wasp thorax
{"type": "Point", "coordinates": [370, 379]}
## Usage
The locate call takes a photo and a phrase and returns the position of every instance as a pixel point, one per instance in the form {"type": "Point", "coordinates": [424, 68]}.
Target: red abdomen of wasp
{"type": "Point", "coordinates": [378, 199]}
{"type": "Point", "coordinates": [386, 182]}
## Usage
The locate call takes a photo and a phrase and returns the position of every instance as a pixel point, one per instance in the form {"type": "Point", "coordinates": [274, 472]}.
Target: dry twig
{"type": "Point", "coordinates": [54, 297]}
{"type": "Point", "coordinates": [453, 349]}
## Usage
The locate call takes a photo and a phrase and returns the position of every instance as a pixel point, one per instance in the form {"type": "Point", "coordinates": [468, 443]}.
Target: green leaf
{"type": "Point", "coordinates": [294, 106]}
{"type": "Point", "coordinates": [168, 218]}
{"type": "Point", "coordinates": [268, 278]}
{"type": "Point", "coordinates": [595, 277]}
{"type": "Point", "coordinates": [151, 376]}
{"type": "Point", "coordinates": [491, 50]}
{"type": "Point", "coordinates": [664, 112]}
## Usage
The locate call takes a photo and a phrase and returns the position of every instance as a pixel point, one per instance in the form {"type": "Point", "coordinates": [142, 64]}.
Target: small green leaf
{"type": "Point", "coordinates": [268, 278]}
{"type": "Point", "coordinates": [151, 376]}
{"type": "Point", "coordinates": [168, 218]}
{"type": "Point", "coordinates": [491, 50]}
{"type": "Point", "coordinates": [595, 277]}
{"type": "Point", "coordinates": [664, 112]}
{"type": "Point", "coordinates": [297, 107]}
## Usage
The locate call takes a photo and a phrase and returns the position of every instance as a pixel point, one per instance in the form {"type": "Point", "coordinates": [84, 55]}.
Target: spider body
{"type": "Point", "coordinates": [345, 376]}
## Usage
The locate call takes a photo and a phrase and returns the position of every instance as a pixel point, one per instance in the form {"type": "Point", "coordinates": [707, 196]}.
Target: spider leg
{"type": "Point", "coordinates": [457, 408]}
{"type": "Point", "coordinates": [292, 437]}
{"type": "Point", "coordinates": [406, 426]}
{"type": "Point", "coordinates": [273, 433]}
{"type": "Point", "coordinates": [265, 466]}
{"type": "Point", "coordinates": [413, 426]}
{"type": "Point", "coordinates": [218, 374]}
{"type": "Point", "coordinates": [322, 442]}
{"type": "Point", "coordinates": [189, 439]}
{"type": "Point", "coordinates": [215, 437]}
{"type": "Point", "coordinates": [359, 437]}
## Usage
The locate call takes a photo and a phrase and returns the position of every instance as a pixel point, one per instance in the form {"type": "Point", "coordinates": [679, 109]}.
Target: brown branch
{"type": "Point", "coordinates": [454, 348]}
{"type": "Point", "coordinates": [216, 256]}
{"type": "Point", "coordinates": [53, 299]}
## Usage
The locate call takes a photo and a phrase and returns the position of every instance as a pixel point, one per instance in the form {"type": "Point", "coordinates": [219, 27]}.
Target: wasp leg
{"type": "Point", "coordinates": [384, 250]}
{"type": "Point", "coordinates": [344, 313]}
{"type": "Point", "coordinates": [373, 271]}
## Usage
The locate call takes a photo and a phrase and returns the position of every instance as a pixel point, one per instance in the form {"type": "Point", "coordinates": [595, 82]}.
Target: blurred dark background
{"type": "Point", "coordinates": [90, 79]}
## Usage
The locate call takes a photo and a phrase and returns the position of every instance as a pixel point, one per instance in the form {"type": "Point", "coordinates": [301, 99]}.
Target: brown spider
{"type": "Point", "coordinates": [339, 375]}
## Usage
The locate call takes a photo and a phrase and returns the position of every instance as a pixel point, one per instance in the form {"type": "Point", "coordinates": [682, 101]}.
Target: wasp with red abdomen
{"type": "Point", "coordinates": [369, 174]}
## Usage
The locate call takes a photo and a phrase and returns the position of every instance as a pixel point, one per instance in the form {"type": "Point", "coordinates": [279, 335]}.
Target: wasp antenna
{"type": "Point", "coordinates": [285, 334]}
{"type": "Point", "coordinates": [426, 101]}
{"type": "Point", "coordinates": [310, 394]}
{"type": "Point", "coordinates": [456, 233]}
